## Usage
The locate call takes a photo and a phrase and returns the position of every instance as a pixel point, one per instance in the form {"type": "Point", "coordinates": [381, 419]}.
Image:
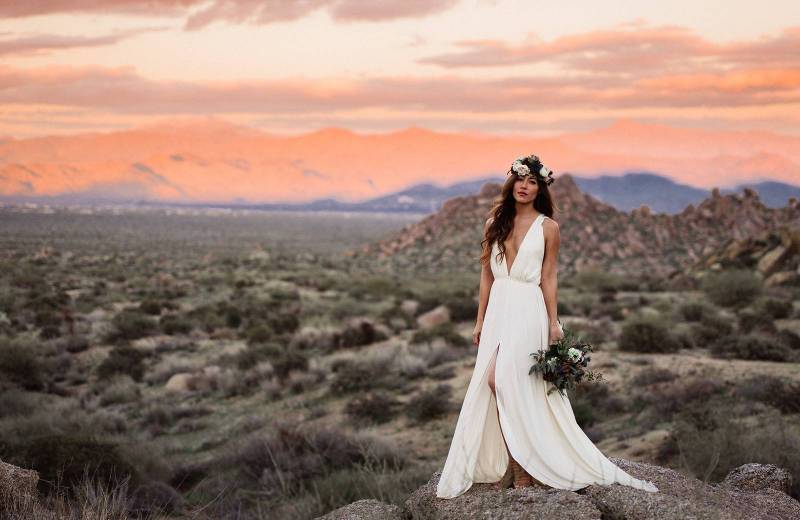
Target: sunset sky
{"type": "Point", "coordinates": [507, 67]}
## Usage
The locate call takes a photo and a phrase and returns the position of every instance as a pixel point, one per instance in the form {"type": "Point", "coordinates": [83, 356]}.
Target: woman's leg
{"type": "Point", "coordinates": [515, 470]}
{"type": "Point", "coordinates": [506, 480]}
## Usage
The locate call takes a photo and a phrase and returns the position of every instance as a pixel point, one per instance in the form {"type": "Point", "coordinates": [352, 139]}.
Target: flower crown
{"type": "Point", "coordinates": [531, 165]}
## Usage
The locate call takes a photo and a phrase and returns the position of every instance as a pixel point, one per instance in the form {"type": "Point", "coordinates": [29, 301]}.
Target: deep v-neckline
{"type": "Point", "coordinates": [505, 256]}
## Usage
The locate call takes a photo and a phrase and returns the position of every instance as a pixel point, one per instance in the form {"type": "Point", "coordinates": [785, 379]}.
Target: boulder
{"type": "Point", "coordinates": [368, 509]}
{"type": "Point", "coordinates": [480, 501]}
{"type": "Point", "coordinates": [755, 478]}
{"type": "Point", "coordinates": [17, 484]}
{"type": "Point", "coordinates": [180, 382]}
{"type": "Point", "coordinates": [752, 491]}
{"type": "Point", "coordinates": [434, 317]}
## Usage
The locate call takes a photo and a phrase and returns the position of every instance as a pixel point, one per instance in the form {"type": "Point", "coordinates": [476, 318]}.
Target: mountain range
{"type": "Point", "coordinates": [211, 161]}
{"type": "Point", "coordinates": [599, 236]}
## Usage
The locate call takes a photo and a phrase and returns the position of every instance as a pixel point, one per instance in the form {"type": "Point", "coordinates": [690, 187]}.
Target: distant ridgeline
{"type": "Point", "coordinates": [722, 231]}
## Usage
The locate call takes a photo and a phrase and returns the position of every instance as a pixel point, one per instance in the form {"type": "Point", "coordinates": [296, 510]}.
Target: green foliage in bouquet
{"type": "Point", "coordinates": [565, 363]}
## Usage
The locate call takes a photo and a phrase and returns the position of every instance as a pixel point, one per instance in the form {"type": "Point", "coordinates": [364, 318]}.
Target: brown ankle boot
{"type": "Point", "coordinates": [521, 477]}
{"type": "Point", "coordinates": [507, 479]}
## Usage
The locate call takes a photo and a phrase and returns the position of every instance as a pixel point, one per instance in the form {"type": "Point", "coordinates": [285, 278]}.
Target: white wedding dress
{"type": "Point", "coordinates": [540, 429]}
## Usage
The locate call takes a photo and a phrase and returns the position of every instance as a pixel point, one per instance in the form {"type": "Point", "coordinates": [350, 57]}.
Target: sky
{"type": "Point", "coordinates": [506, 67]}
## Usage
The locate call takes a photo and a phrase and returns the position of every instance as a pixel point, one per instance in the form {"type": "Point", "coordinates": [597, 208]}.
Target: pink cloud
{"type": "Point", "coordinates": [638, 51]}
{"type": "Point", "coordinates": [233, 11]}
{"type": "Point", "coordinates": [44, 43]}
{"type": "Point", "coordinates": [124, 91]}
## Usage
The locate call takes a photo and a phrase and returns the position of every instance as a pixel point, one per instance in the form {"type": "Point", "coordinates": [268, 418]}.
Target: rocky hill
{"type": "Point", "coordinates": [749, 492]}
{"type": "Point", "coordinates": [594, 234]}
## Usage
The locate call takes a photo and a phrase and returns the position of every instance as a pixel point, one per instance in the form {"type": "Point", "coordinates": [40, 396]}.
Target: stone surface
{"type": "Point", "coordinates": [179, 382]}
{"type": "Point", "coordinates": [758, 477]}
{"type": "Point", "coordinates": [368, 509]}
{"type": "Point", "coordinates": [434, 317]}
{"type": "Point", "coordinates": [480, 501]}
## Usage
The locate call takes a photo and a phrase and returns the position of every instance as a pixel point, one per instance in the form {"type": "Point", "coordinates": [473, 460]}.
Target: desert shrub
{"type": "Point", "coordinates": [445, 331]}
{"type": "Point", "coordinates": [50, 332]}
{"type": "Point", "coordinates": [76, 343]}
{"type": "Point", "coordinates": [66, 457]}
{"type": "Point", "coordinates": [355, 377]}
{"type": "Point", "coordinates": [751, 346]}
{"type": "Point", "coordinates": [150, 306]}
{"type": "Point", "coordinates": [732, 287]}
{"type": "Point", "coordinates": [131, 324]}
{"type": "Point", "coordinates": [428, 405]}
{"type": "Point", "coordinates": [259, 333]}
{"type": "Point", "coordinates": [668, 398]}
{"type": "Point", "coordinates": [121, 389]}
{"type": "Point", "coordinates": [752, 320]}
{"type": "Point", "coordinates": [288, 460]}
{"type": "Point", "coordinates": [122, 360]}
{"type": "Point", "coordinates": [595, 397]}
{"type": "Point", "coordinates": [775, 307]}
{"type": "Point", "coordinates": [771, 390]}
{"type": "Point", "coordinates": [711, 327]}
{"type": "Point", "coordinates": [14, 402]}
{"type": "Point", "coordinates": [564, 308]}
{"type": "Point", "coordinates": [256, 353]}
{"type": "Point", "coordinates": [376, 407]}
{"type": "Point", "coordinates": [597, 281]}
{"type": "Point", "coordinates": [20, 365]}
{"type": "Point", "coordinates": [173, 324]}
{"type": "Point", "coordinates": [709, 442]}
{"type": "Point", "coordinates": [652, 375]}
{"type": "Point", "coordinates": [789, 338]}
{"type": "Point", "coordinates": [694, 311]}
{"type": "Point", "coordinates": [462, 306]}
{"type": "Point", "coordinates": [645, 334]}
{"type": "Point", "coordinates": [288, 360]}
{"type": "Point", "coordinates": [358, 332]}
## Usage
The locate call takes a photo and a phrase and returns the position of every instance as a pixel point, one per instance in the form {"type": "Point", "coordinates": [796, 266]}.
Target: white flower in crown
{"type": "Point", "coordinates": [521, 169]}
{"type": "Point", "coordinates": [544, 171]}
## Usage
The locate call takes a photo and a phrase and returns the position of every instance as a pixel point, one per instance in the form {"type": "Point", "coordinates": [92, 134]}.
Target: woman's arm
{"type": "Point", "coordinates": [549, 283]}
{"type": "Point", "coordinates": [487, 279]}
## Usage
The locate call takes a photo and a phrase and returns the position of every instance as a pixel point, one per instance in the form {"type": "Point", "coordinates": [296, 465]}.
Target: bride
{"type": "Point", "coordinates": [509, 428]}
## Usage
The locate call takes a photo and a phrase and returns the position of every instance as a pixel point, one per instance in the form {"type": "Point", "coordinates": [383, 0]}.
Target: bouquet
{"type": "Point", "coordinates": [565, 363]}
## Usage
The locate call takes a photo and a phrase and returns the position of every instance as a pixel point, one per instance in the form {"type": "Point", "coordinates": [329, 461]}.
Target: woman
{"type": "Point", "coordinates": [508, 425]}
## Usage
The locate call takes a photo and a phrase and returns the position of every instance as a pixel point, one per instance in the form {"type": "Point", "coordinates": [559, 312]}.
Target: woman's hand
{"type": "Point", "coordinates": [476, 333]}
{"type": "Point", "coordinates": [556, 333]}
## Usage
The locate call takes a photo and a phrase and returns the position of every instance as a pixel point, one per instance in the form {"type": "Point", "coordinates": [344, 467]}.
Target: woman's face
{"type": "Point", "coordinates": [525, 189]}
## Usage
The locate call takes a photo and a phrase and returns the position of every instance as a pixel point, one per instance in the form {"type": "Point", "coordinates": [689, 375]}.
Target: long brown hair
{"type": "Point", "coordinates": [504, 210]}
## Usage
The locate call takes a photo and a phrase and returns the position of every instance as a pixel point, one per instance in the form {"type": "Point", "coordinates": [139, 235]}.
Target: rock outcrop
{"type": "Point", "coordinates": [749, 492]}
{"type": "Point", "coordinates": [600, 236]}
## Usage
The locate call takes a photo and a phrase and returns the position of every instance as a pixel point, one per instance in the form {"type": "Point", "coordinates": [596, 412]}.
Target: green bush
{"type": "Point", "coordinates": [132, 324]}
{"type": "Point", "coordinates": [694, 311]}
{"type": "Point", "coordinates": [732, 287]}
{"type": "Point", "coordinates": [645, 334]}
{"type": "Point", "coordinates": [375, 407]}
{"type": "Point", "coordinates": [20, 365]}
{"type": "Point", "coordinates": [122, 360]}
{"type": "Point", "coordinates": [173, 324]}
{"type": "Point", "coordinates": [597, 281]}
{"type": "Point", "coordinates": [711, 327]}
{"type": "Point", "coordinates": [771, 390]}
{"type": "Point", "coordinates": [66, 457]}
{"type": "Point", "coordinates": [751, 346]}
{"type": "Point", "coordinates": [256, 353]}
{"type": "Point", "coordinates": [778, 309]}
{"type": "Point", "coordinates": [288, 360]}
{"type": "Point", "coordinates": [152, 307]}
{"type": "Point", "coordinates": [753, 320]}
{"type": "Point", "coordinates": [429, 404]}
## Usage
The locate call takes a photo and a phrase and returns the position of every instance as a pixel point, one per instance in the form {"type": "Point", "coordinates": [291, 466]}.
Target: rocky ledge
{"type": "Point", "coordinates": [751, 491]}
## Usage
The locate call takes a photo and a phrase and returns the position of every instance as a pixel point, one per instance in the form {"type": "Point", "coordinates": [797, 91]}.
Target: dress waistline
{"type": "Point", "coordinates": [525, 282]}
